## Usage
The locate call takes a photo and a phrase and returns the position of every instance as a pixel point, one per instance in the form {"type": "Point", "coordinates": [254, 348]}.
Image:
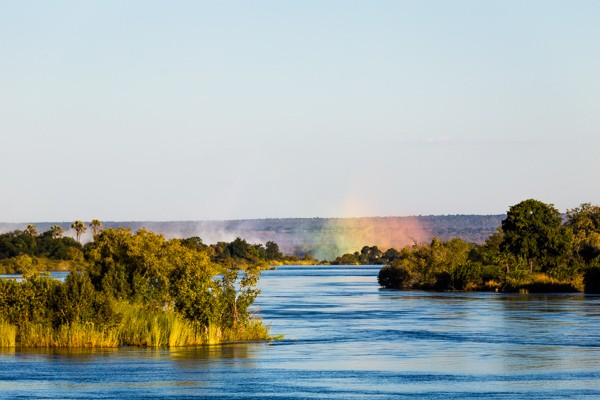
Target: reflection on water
{"type": "Point", "coordinates": [347, 338]}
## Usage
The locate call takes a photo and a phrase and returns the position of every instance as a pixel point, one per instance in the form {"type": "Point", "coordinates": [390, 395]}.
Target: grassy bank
{"type": "Point", "coordinates": [136, 327]}
{"type": "Point", "coordinates": [134, 289]}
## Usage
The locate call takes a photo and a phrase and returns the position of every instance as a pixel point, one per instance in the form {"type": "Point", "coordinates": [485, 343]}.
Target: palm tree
{"type": "Point", "coordinates": [96, 225]}
{"type": "Point", "coordinates": [79, 227]}
{"type": "Point", "coordinates": [57, 231]}
{"type": "Point", "coordinates": [31, 230]}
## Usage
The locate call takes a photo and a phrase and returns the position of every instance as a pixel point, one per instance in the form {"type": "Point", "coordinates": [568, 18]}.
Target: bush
{"type": "Point", "coordinates": [395, 277]}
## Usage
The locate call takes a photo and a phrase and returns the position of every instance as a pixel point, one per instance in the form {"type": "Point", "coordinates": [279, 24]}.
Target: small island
{"type": "Point", "coordinates": [129, 288]}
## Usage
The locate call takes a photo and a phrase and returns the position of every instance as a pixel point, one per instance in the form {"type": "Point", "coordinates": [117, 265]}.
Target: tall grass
{"type": "Point", "coordinates": [35, 335]}
{"type": "Point", "coordinates": [252, 330]}
{"type": "Point", "coordinates": [70, 336]}
{"type": "Point", "coordinates": [84, 335]}
{"type": "Point", "coordinates": [154, 328]}
{"type": "Point", "coordinates": [138, 327]}
{"type": "Point", "coordinates": [8, 334]}
{"type": "Point", "coordinates": [539, 283]}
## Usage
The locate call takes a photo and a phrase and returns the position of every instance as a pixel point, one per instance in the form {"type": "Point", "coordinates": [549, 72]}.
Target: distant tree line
{"type": "Point", "coordinates": [27, 250]}
{"type": "Point", "coordinates": [533, 250]}
{"type": "Point", "coordinates": [24, 251]}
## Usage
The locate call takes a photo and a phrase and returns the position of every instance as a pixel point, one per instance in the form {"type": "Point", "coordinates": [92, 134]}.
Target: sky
{"type": "Point", "coordinates": [196, 110]}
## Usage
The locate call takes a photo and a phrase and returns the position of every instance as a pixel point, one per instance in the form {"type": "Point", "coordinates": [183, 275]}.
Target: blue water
{"type": "Point", "coordinates": [59, 275]}
{"type": "Point", "coordinates": [345, 338]}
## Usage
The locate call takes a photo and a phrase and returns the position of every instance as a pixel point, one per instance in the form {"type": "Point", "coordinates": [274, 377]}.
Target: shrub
{"type": "Point", "coordinates": [395, 277]}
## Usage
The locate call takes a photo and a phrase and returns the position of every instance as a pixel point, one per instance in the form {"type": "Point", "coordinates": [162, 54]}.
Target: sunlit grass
{"type": "Point", "coordinates": [35, 335]}
{"type": "Point", "coordinates": [84, 335]}
{"type": "Point", "coordinates": [8, 334]}
{"type": "Point", "coordinates": [540, 283]}
{"type": "Point", "coordinates": [138, 327]}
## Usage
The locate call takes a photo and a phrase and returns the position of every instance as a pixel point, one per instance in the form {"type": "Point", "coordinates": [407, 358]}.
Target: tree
{"type": "Point", "coordinates": [532, 231]}
{"type": "Point", "coordinates": [194, 242]}
{"type": "Point", "coordinates": [272, 251]}
{"type": "Point", "coordinates": [395, 276]}
{"type": "Point", "coordinates": [31, 230]}
{"type": "Point", "coordinates": [584, 221]}
{"type": "Point", "coordinates": [96, 225]}
{"type": "Point", "coordinates": [79, 227]}
{"type": "Point", "coordinates": [56, 231]}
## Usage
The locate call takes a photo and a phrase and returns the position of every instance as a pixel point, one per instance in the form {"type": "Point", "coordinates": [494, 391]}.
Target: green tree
{"type": "Point", "coordinates": [584, 221]}
{"type": "Point", "coordinates": [272, 251]}
{"type": "Point", "coordinates": [140, 267]}
{"type": "Point", "coordinates": [56, 231]}
{"type": "Point", "coordinates": [96, 225]}
{"type": "Point", "coordinates": [194, 290]}
{"type": "Point", "coordinates": [396, 276]}
{"type": "Point", "coordinates": [194, 242]}
{"type": "Point", "coordinates": [80, 228]}
{"type": "Point", "coordinates": [31, 230]}
{"type": "Point", "coordinates": [390, 255]}
{"type": "Point", "coordinates": [532, 231]}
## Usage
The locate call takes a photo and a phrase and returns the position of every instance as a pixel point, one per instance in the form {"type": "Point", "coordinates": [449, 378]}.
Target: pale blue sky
{"type": "Point", "coordinates": [183, 110]}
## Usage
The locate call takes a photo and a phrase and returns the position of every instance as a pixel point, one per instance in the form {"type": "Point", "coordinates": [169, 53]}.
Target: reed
{"type": "Point", "coordinates": [253, 330]}
{"type": "Point", "coordinates": [8, 334]}
{"type": "Point", "coordinates": [35, 335]}
{"type": "Point", "coordinates": [181, 332]}
{"type": "Point", "coordinates": [139, 326]}
{"type": "Point", "coordinates": [84, 335]}
{"type": "Point", "coordinates": [155, 328]}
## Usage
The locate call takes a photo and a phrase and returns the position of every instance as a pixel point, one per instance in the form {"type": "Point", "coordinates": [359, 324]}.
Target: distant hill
{"type": "Point", "coordinates": [325, 238]}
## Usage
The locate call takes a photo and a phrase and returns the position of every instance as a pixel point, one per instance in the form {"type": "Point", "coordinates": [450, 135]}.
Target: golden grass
{"type": "Point", "coordinates": [35, 335]}
{"type": "Point", "coordinates": [155, 328]}
{"type": "Point", "coordinates": [84, 335]}
{"type": "Point", "coordinates": [8, 334]}
{"type": "Point", "coordinates": [138, 327]}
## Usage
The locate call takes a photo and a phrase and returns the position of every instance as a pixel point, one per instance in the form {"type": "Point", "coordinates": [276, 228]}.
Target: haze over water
{"type": "Point", "coordinates": [345, 338]}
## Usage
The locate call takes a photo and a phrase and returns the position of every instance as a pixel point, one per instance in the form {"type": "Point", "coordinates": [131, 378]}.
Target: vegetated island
{"type": "Point", "coordinates": [534, 250]}
{"type": "Point", "coordinates": [130, 289]}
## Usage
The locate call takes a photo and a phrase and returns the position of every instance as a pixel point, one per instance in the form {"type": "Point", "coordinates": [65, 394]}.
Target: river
{"type": "Point", "coordinates": [345, 338]}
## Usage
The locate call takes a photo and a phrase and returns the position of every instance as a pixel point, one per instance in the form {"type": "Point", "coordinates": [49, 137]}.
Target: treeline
{"type": "Point", "coordinates": [27, 251]}
{"type": "Point", "coordinates": [368, 255]}
{"type": "Point", "coordinates": [240, 250]}
{"type": "Point", "coordinates": [534, 250]}
{"type": "Point", "coordinates": [139, 289]}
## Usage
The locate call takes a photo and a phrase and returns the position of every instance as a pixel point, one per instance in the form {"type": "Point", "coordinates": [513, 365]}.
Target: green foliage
{"type": "Point", "coordinates": [137, 288]}
{"type": "Point", "coordinates": [80, 228]}
{"type": "Point", "coordinates": [532, 251]}
{"type": "Point", "coordinates": [25, 251]}
{"type": "Point", "coordinates": [395, 276]}
{"type": "Point", "coordinates": [272, 251]}
{"type": "Point", "coordinates": [347, 259]}
{"type": "Point", "coordinates": [95, 225]}
{"type": "Point", "coordinates": [584, 222]}
{"type": "Point", "coordinates": [532, 232]}
{"type": "Point", "coordinates": [56, 232]}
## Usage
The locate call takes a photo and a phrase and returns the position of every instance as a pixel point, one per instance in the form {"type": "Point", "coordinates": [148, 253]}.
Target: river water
{"type": "Point", "coordinates": [345, 338]}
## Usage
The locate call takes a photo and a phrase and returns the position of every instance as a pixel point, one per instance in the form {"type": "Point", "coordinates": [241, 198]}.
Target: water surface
{"type": "Point", "coordinates": [59, 275]}
{"type": "Point", "coordinates": [345, 338]}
